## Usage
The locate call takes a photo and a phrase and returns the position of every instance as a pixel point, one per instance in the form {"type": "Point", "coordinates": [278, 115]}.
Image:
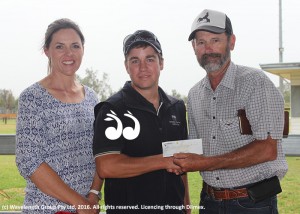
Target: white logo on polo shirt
{"type": "Point", "coordinates": [174, 121]}
{"type": "Point", "coordinates": [129, 133]}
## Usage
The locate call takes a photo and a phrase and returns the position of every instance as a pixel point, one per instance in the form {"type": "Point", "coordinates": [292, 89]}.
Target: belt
{"type": "Point", "coordinates": [225, 194]}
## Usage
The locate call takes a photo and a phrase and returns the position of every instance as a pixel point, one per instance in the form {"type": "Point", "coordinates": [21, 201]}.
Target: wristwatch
{"type": "Point", "coordinates": [98, 193]}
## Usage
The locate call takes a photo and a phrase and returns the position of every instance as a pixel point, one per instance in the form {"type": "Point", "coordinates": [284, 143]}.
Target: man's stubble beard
{"type": "Point", "coordinates": [214, 66]}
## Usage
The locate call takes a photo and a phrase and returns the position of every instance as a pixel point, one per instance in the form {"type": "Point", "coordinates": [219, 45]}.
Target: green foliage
{"type": "Point", "coordinates": [286, 92]}
{"type": "Point", "coordinates": [174, 93]}
{"type": "Point", "coordinates": [8, 103]}
{"type": "Point", "coordinates": [101, 87]}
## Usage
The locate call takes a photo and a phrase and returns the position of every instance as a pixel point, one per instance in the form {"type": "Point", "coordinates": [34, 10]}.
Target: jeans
{"type": "Point", "coordinates": [237, 206]}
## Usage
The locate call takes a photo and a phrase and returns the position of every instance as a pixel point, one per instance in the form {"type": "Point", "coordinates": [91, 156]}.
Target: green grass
{"type": "Point", "coordinates": [195, 185]}
{"type": "Point", "coordinates": [11, 183]}
{"type": "Point", "coordinates": [289, 199]}
{"type": "Point", "coordinates": [9, 128]}
{"type": "Point", "coordinates": [12, 186]}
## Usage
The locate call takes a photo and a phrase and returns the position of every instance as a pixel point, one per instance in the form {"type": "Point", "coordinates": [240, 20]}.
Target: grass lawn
{"type": "Point", "coordinates": [9, 128]}
{"type": "Point", "coordinates": [12, 186]}
{"type": "Point", "coordinates": [11, 183]}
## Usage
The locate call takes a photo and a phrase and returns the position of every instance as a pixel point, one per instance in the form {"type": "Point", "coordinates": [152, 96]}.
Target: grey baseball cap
{"type": "Point", "coordinates": [212, 21]}
{"type": "Point", "coordinates": [141, 36]}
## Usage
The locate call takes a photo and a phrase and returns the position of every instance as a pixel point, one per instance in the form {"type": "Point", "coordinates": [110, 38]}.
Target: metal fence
{"type": "Point", "coordinates": [7, 144]}
{"type": "Point", "coordinates": [291, 145]}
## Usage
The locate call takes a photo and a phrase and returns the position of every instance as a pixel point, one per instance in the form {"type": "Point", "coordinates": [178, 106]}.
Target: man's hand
{"type": "Point", "coordinates": [189, 162]}
{"type": "Point", "coordinates": [171, 167]}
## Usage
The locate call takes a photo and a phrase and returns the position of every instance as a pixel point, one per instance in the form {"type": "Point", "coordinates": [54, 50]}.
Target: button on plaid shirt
{"type": "Point", "coordinates": [213, 117]}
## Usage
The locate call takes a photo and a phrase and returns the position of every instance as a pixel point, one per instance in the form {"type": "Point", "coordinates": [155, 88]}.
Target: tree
{"type": "Point", "coordinates": [7, 101]}
{"type": "Point", "coordinates": [286, 94]}
{"type": "Point", "coordinates": [179, 96]}
{"type": "Point", "coordinates": [101, 87]}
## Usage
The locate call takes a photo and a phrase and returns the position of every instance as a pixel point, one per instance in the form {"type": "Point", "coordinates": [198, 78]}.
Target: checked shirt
{"type": "Point", "coordinates": [213, 117]}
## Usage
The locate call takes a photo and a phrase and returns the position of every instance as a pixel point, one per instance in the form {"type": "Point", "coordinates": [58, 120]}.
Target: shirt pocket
{"type": "Point", "coordinates": [231, 137]}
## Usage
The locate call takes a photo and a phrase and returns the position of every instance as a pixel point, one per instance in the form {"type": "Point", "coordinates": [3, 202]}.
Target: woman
{"type": "Point", "coordinates": [55, 130]}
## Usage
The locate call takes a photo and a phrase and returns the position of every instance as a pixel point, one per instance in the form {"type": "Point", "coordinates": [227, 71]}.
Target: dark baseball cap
{"type": "Point", "coordinates": [140, 37]}
{"type": "Point", "coordinates": [212, 21]}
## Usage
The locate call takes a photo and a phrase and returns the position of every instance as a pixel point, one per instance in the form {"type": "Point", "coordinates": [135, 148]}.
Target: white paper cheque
{"type": "Point", "coordinates": [184, 146]}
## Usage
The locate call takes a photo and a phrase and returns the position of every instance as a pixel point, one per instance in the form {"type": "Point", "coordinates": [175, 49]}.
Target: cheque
{"type": "Point", "coordinates": [182, 146]}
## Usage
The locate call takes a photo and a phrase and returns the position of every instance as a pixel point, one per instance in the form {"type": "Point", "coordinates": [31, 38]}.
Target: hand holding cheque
{"type": "Point", "coordinates": [186, 153]}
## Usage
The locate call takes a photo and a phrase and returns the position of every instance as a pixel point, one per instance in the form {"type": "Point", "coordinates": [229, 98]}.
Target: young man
{"type": "Point", "coordinates": [129, 130]}
{"type": "Point", "coordinates": [233, 164]}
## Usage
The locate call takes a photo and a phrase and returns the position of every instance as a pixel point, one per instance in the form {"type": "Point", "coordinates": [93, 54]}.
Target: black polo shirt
{"type": "Point", "coordinates": [158, 189]}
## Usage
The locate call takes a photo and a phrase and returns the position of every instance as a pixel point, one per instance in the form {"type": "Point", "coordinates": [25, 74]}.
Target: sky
{"type": "Point", "coordinates": [106, 23]}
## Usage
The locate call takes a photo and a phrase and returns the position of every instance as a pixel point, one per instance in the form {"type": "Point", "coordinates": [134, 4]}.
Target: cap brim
{"type": "Point", "coordinates": [141, 42]}
{"type": "Point", "coordinates": [210, 29]}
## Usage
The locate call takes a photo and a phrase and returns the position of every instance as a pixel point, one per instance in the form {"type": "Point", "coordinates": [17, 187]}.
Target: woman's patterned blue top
{"type": "Point", "coordinates": [59, 134]}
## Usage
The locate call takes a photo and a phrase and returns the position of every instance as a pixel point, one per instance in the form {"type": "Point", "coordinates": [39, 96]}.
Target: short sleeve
{"type": "Point", "coordinates": [265, 111]}
{"type": "Point", "coordinates": [191, 120]}
{"type": "Point", "coordinates": [105, 120]}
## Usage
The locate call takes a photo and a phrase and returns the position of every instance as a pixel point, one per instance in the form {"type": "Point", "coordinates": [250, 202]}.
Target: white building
{"type": "Point", "coordinates": [290, 71]}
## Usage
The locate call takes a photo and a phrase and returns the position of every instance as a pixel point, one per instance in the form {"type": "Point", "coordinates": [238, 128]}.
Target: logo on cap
{"type": "Point", "coordinates": [201, 19]}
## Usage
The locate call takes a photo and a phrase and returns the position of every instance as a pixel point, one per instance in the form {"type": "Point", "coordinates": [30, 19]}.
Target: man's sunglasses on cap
{"type": "Point", "coordinates": [141, 36]}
